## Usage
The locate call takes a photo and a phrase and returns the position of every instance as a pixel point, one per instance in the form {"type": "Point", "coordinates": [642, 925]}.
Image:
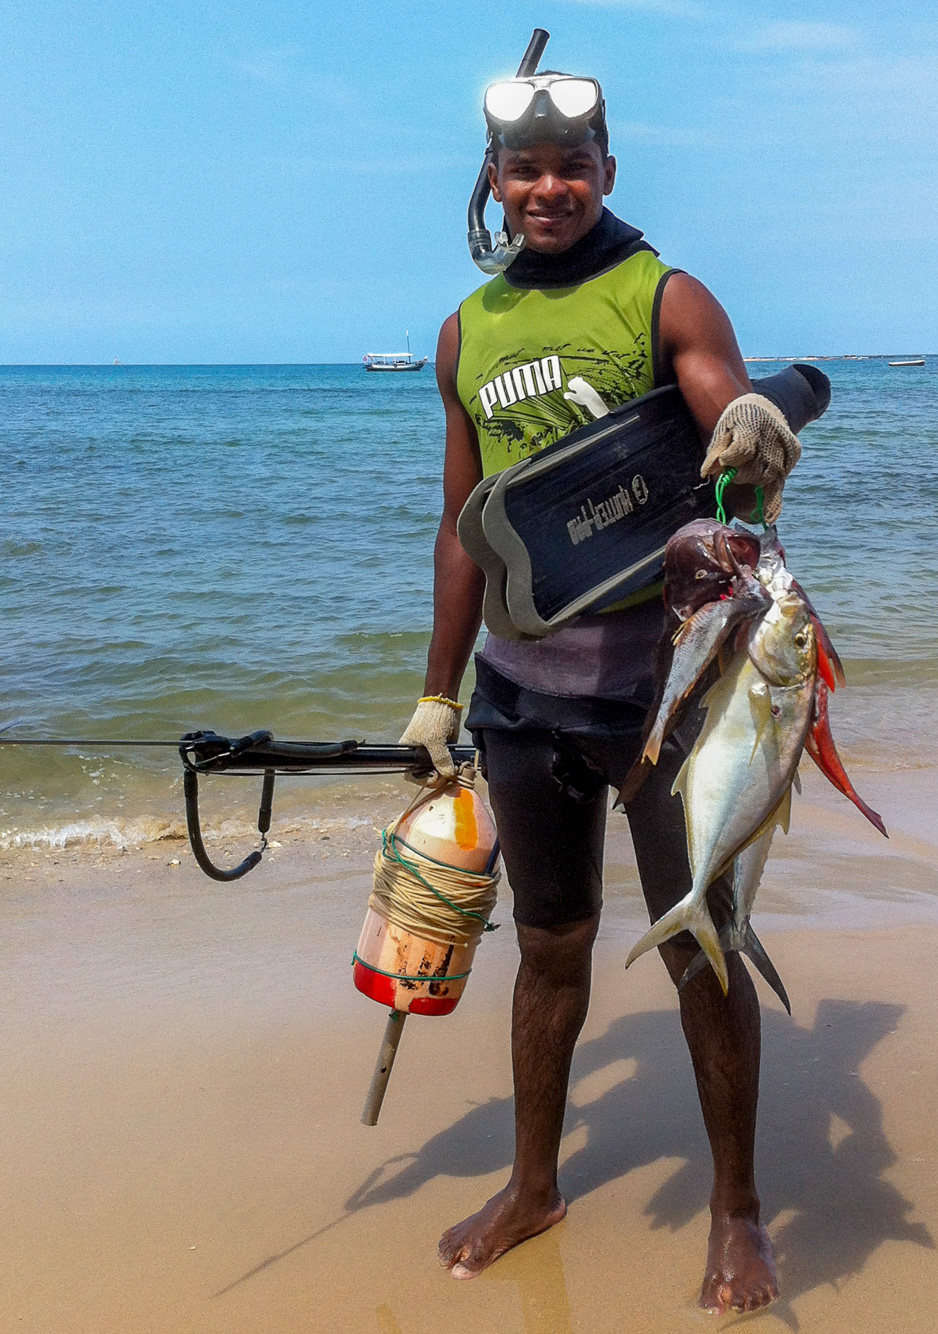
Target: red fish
{"type": "Point", "coordinates": [828, 659]}
{"type": "Point", "coordinates": [820, 746]}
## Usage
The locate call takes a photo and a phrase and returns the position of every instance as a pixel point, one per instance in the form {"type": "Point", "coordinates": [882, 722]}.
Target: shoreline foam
{"type": "Point", "coordinates": [122, 815]}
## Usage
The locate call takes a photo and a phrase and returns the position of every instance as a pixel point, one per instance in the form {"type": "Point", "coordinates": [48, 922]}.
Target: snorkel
{"type": "Point", "coordinates": [493, 260]}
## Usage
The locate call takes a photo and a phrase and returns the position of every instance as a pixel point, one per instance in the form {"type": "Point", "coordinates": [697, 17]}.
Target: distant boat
{"type": "Point", "coordinates": [912, 361]}
{"type": "Point", "coordinates": [394, 361]}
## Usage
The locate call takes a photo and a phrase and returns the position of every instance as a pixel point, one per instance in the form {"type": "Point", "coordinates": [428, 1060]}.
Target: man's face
{"type": "Point", "coordinates": [552, 194]}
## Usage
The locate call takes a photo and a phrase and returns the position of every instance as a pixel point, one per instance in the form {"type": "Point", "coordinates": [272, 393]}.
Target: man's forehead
{"type": "Point", "coordinates": [537, 154]}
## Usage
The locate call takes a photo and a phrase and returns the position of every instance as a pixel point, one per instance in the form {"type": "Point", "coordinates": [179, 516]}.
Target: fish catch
{"type": "Point", "coordinates": [767, 705]}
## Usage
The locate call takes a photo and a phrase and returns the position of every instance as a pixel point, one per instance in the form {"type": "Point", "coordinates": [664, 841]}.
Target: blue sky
{"type": "Point", "coordinates": [277, 182]}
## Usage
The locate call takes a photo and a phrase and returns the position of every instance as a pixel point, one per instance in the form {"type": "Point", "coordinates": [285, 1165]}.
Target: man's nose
{"type": "Point", "coordinates": [550, 186]}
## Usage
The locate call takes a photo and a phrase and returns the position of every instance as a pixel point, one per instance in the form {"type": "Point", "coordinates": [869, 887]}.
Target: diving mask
{"type": "Point", "coordinates": [559, 108]}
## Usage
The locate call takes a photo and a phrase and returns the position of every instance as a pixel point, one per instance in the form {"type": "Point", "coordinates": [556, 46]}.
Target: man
{"type": "Point", "coordinates": [591, 306]}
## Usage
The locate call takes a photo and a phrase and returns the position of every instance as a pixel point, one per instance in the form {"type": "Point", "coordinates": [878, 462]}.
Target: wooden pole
{"type": "Point", "coordinates": [379, 1080]}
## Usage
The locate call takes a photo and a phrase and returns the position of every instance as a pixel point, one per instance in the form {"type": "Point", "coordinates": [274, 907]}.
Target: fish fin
{"type": "Point", "coordinates": [679, 789]}
{"type": "Point", "coordinates": [824, 665]}
{"type": "Point", "coordinates": [712, 694]}
{"type": "Point", "coordinates": [679, 786]}
{"type": "Point", "coordinates": [835, 662]}
{"type": "Point", "coordinates": [796, 784]}
{"type": "Point", "coordinates": [634, 781]}
{"type": "Point", "coordinates": [753, 949]}
{"type": "Point", "coordinates": [820, 746]}
{"type": "Point", "coordinates": [760, 703]}
{"type": "Point", "coordinates": [692, 916]}
{"type": "Point", "coordinates": [653, 744]}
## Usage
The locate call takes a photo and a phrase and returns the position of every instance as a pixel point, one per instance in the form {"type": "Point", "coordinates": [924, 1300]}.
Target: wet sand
{"type": "Point", "coordinates": [185, 1062]}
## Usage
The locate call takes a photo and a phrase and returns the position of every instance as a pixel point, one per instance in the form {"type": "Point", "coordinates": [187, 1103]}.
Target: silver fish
{"type": "Point", "coordinates": [696, 644]}
{"type": "Point", "coordinates": [738, 934]}
{"type": "Point", "coordinates": [741, 767]}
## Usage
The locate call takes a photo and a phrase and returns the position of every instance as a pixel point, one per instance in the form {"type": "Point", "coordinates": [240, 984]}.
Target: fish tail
{"type": "Point", "coordinates": [753, 949]}
{"type": "Point", "coordinates": [747, 943]}
{"type": "Point", "coordinates": [700, 961]}
{"type": "Point", "coordinates": [691, 914]}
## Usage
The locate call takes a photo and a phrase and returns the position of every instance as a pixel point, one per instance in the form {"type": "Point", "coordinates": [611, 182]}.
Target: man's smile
{"type": "Point", "coordinates": [553, 219]}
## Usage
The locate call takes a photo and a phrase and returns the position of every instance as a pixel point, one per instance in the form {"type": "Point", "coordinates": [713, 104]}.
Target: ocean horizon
{"type": "Point", "coordinates": [181, 365]}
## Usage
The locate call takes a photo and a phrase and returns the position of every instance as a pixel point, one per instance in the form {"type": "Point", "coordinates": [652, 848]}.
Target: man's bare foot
{"type": "Point", "coordinates": [740, 1266]}
{"type": "Point", "coordinates": [505, 1221]}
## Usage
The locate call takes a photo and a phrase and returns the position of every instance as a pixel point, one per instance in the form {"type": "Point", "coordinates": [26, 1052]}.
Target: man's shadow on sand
{"type": "Point", "coordinates": [821, 1151]}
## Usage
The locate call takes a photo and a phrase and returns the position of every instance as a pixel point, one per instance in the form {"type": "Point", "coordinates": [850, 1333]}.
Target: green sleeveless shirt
{"type": "Point", "coordinates": [532, 361]}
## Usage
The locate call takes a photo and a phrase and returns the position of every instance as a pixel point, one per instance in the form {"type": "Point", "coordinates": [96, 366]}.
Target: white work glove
{"type": "Point", "coordinates": [753, 437]}
{"type": "Point", "coordinates": [435, 722]}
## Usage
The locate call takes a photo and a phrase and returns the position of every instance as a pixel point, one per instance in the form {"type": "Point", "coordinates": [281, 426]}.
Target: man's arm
{"type": "Point", "coordinates": [458, 583]}
{"type": "Point", "coordinates": [698, 344]}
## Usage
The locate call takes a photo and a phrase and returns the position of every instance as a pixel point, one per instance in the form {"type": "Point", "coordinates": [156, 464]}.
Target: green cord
{"type": "Point", "coordinates": [408, 977]}
{"type": "Point", "coordinates": [394, 855]}
{"type": "Point", "coordinates": [723, 482]}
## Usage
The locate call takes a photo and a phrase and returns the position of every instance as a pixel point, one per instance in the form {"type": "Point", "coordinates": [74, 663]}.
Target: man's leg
{"type": "Point", "coordinates": [550, 1003]}
{"type": "Point", "coordinates": [551, 823]}
{"type": "Point", "coordinates": [723, 1034]}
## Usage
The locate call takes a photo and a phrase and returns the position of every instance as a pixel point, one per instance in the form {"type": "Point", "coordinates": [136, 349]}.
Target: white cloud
{"type": "Point", "coordinates": [869, 99]}
{"type": "Point", "coordinates": [795, 35]}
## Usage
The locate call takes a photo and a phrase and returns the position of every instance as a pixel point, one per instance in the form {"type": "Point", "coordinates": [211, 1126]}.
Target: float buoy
{"type": "Point", "coordinates": [435, 884]}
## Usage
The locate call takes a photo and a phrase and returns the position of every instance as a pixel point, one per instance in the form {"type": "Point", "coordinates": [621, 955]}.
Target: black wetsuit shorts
{"type": "Point", "coordinates": [549, 761]}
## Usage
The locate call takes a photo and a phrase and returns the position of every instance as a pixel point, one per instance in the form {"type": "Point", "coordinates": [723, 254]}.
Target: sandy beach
{"type": "Point", "coordinates": [185, 1064]}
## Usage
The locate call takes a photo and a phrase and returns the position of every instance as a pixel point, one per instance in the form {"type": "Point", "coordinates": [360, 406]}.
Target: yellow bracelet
{"type": "Point", "coordinates": [441, 699]}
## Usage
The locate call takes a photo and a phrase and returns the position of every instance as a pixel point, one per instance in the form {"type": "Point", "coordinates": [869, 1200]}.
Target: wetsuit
{"type": "Point", "coordinates": [559, 720]}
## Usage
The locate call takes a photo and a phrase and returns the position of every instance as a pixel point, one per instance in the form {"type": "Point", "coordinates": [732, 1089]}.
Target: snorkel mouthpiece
{"type": "Point", "coordinates": [496, 259]}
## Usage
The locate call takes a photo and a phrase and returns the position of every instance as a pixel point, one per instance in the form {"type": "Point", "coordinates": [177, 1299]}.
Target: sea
{"type": "Point", "coordinates": [243, 547]}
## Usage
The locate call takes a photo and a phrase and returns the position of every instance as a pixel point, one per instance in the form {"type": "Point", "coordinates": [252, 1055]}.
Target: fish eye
{"type": "Point", "coordinates": [801, 639]}
{"type": "Point", "coordinates": [700, 574]}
